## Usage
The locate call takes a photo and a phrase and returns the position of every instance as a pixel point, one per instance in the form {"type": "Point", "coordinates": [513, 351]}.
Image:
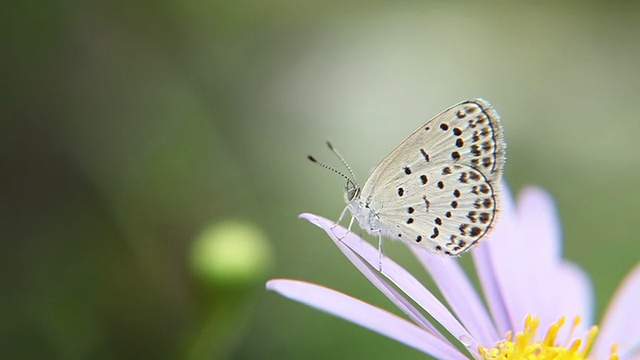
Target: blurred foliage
{"type": "Point", "coordinates": [129, 127]}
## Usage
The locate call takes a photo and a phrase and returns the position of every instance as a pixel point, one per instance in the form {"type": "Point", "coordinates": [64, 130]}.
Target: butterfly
{"type": "Point", "coordinates": [439, 189]}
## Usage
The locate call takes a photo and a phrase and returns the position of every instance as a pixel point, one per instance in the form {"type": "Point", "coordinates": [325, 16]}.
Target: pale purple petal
{"type": "Point", "coordinates": [547, 285]}
{"type": "Point", "coordinates": [491, 289]}
{"type": "Point", "coordinates": [570, 288]}
{"type": "Point", "coordinates": [554, 288]}
{"type": "Point", "coordinates": [540, 224]}
{"type": "Point", "coordinates": [459, 293]}
{"type": "Point", "coordinates": [524, 253]}
{"type": "Point", "coordinates": [621, 322]}
{"type": "Point", "coordinates": [508, 249]}
{"type": "Point", "coordinates": [387, 289]}
{"type": "Point", "coordinates": [402, 279]}
{"type": "Point", "coordinates": [365, 315]}
{"type": "Point", "coordinates": [487, 264]}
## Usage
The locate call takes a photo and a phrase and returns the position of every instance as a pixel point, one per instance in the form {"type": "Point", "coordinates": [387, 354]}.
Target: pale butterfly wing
{"type": "Point", "coordinates": [439, 189]}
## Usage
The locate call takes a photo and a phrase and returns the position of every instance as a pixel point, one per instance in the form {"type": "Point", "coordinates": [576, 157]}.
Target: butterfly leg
{"type": "Point", "coordinates": [380, 252]}
{"type": "Point", "coordinates": [350, 224]}
{"type": "Point", "coordinates": [341, 217]}
{"type": "Point", "coordinates": [348, 229]}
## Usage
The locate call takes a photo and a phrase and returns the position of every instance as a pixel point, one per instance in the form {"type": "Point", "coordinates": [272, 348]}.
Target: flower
{"type": "Point", "coordinates": [526, 284]}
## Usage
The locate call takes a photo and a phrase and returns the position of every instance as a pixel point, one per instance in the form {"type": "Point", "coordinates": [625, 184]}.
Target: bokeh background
{"type": "Point", "coordinates": [141, 139]}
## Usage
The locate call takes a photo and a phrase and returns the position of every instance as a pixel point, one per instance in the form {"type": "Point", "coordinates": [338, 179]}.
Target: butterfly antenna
{"type": "Point", "coordinates": [337, 154]}
{"type": "Point", "coordinates": [329, 168]}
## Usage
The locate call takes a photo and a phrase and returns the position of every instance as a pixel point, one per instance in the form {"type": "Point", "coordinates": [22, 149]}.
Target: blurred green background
{"type": "Point", "coordinates": [130, 131]}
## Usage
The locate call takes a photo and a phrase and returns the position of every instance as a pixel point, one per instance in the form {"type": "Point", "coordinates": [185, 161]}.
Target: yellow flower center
{"type": "Point", "coordinates": [525, 345]}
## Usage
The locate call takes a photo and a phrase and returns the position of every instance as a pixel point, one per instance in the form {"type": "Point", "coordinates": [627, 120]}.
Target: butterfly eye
{"type": "Point", "coordinates": [351, 191]}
